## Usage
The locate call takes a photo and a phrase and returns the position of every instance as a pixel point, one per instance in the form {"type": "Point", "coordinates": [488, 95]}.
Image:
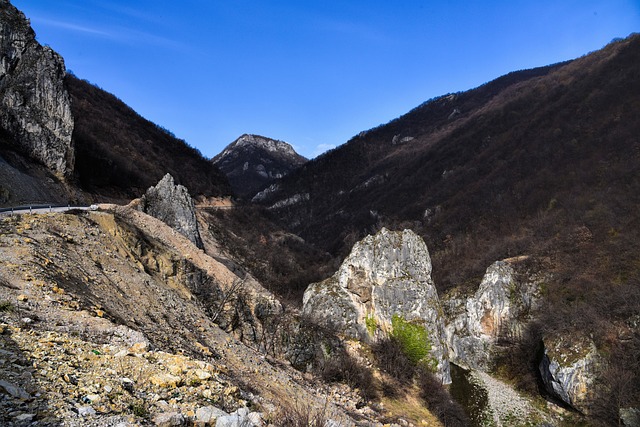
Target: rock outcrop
{"type": "Point", "coordinates": [35, 106]}
{"type": "Point", "coordinates": [385, 275]}
{"type": "Point", "coordinates": [251, 162]}
{"type": "Point", "coordinates": [172, 204]}
{"type": "Point", "coordinates": [499, 309]}
{"type": "Point", "coordinates": [569, 368]}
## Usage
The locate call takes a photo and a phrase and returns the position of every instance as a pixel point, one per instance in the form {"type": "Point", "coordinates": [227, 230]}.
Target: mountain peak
{"type": "Point", "coordinates": [252, 162]}
{"type": "Point", "coordinates": [268, 144]}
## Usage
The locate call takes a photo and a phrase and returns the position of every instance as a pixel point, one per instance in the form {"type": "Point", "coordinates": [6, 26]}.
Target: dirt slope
{"type": "Point", "coordinates": [118, 280]}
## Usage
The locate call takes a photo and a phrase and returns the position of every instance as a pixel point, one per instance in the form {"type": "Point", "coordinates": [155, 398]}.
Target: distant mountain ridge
{"type": "Point", "coordinates": [492, 155]}
{"type": "Point", "coordinates": [539, 165]}
{"type": "Point", "coordinates": [251, 162]}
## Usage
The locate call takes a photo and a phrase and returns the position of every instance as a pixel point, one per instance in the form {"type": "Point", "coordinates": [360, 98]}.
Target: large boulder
{"type": "Point", "coordinates": [172, 204]}
{"type": "Point", "coordinates": [569, 369]}
{"type": "Point", "coordinates": [498, 311]}
{"type": "Point", "coordinates": [386, 276]}
{"type": "Point", "coordinates": [35, 105]}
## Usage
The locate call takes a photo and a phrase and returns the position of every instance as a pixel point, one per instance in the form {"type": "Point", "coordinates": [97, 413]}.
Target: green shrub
{"type": "Point", "coordinates": [413, 337]}
{"type": "Point", "coordinates": [371, 324]}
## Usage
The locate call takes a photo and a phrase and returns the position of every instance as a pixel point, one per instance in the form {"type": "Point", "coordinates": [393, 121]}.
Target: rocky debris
{"type": "Point", "coordinates": [500, 309]}
{"type": "Point", "coordinates": [172, 204]}
{"type": "Point", "coordinates": [207, 415]}
{"type": "Point", "coordinates": [66, 378]}
{"type": "Point", "coordinates": [505, 406]}
{"type": "Point", "coordinates": [385, 275]}
{"type": "Point", "coordinates": [12, 390]}
{"type": "Point", "coordinates": [251, 162]}
{"type": "Point", "coordinates": [169, 419]}
{"type": "Point", "coordinates": [123, 284]}
{"type": "Point", "coordinates": [240, 418]}
{"type": "Point", "coordinates": [630, 417]}
{"type": "Point", "coordinates": [36, 107]}
{"type": "Point", "coordinates": [569, 368]}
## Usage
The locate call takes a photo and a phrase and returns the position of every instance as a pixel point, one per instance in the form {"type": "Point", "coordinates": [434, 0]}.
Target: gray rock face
{"type": "Point", "coordinates": [207, 415]}
{"type": "Point", "coordinates": [569, 369]}
{"type": "Point", "coordinates": [500, 308]}
{"type": "Point", "coordinates": [36, 109]}
{"type": "Point", "coordinates": [173, 205]}
{"type": "Point", "coordinates": [385, 275]}
{"type": "Point", "coordinates": [169, 419]}
{"type": "Point", "coordinates": [240, 418]}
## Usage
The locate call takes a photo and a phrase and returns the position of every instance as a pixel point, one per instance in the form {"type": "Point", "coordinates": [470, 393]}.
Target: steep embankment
{"type": "Point", "coordinates": [129, 304]}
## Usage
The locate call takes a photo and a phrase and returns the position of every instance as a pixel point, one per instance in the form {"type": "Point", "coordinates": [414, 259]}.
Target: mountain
{"type": "Point", "coordinates": [252, 162]}
{"type": "Point", "coordinates": [542, 165]}
{"type": "Point", "coordinates": [483, 173]}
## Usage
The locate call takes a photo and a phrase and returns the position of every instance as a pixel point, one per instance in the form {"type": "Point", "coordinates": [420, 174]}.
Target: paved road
{"type": "Point", "coordinates": [42, 209]}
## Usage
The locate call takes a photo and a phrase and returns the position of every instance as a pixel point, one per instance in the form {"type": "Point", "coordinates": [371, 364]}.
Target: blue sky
{"type": "Point", "coordinates": [312, 73]}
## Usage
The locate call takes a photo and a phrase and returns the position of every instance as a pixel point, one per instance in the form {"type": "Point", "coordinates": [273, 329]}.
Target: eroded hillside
{"type": "Point", "coordinates": [115, 310]}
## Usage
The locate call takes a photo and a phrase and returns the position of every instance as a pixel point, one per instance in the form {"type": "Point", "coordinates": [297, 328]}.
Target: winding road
{"type": "Point", "coordinates": [42, 209]}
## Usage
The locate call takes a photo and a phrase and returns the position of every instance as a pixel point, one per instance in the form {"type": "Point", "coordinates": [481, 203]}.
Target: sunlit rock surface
{"type": "Point", "coordinates": [499, 310]}
{"type": "Point", "coordinates": [569, 368]}
{"type": "Point", "coordinates": [172, 204]}
{"type": "Point", "coordinates": [385, 274]}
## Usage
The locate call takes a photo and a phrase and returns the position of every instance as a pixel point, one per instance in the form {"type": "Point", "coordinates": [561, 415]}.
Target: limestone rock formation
{"type": "Point", "coordinates": [569, 368]}
{"type": "Point", "coordinates": [35, 106]}
{"type": "Point", "coordinates": [500, 308]}
{"type": "Point", "coordinates": [172, 204]}
{"type": "Point", "coordinates": [251, 162]}
{"type": "Point", "coordinates": [385, 275]}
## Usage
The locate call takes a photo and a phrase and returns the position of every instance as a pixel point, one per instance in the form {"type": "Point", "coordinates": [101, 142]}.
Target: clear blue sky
{"type": "Point", "coordinates": [312, 73]}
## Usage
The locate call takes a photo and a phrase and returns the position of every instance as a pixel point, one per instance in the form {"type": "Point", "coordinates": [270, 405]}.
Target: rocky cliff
{"type": "Point", "coordinates": [36, 111]}
{"type": "Point", "coordinates": [251, 162]}
{"type": "Point", "coordinates": [172, 204]}
{"type": "Point", "coordinates": [386, 276]}
{"type": "Point", "coordinates": [499, 309]}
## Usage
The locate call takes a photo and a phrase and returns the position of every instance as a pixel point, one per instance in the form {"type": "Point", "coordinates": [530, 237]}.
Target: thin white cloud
{"type": "Point", "coordinates": [121, 35]}
{"type": "Point", "coordinates": [71, 27]}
